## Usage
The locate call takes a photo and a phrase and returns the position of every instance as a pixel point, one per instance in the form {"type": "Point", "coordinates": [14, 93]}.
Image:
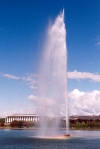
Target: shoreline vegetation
{"type": "Point", "coordinates": [74, 125]}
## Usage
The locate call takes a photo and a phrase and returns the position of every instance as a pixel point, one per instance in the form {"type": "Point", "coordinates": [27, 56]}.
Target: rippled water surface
{"type": "Point", "coordinates": [24, 139]}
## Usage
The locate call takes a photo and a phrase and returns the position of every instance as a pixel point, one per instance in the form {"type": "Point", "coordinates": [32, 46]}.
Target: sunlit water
{"type": "Point", "coordinates": [24, 139]}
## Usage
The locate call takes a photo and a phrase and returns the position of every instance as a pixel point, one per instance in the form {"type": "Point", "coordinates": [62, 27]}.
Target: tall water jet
{"type": "Point", "coordinates": [53, 101]}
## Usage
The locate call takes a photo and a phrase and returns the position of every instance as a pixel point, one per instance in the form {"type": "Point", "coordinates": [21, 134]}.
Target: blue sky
{"type": "Point", "coordinates": [23, 24]}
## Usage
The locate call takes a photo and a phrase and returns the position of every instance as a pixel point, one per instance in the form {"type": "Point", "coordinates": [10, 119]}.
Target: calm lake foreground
{"type": "Point", "coordinates": [24, 139]}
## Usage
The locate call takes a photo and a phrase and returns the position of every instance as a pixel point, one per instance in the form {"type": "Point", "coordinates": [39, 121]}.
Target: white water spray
{"type": "Point", "coordinates": [53, 102]}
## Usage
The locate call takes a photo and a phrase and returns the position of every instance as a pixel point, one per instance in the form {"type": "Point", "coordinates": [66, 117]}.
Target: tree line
{"type": "Point", "coordinates": [73, 124]}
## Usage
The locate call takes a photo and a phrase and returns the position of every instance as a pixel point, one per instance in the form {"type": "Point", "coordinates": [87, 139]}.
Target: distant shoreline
{"type": "Point", "coordinates": [16, 128]}
{"type": "Point", "coordinates": [85, 129]}
{"type": "Point", "coordinates": [30, 128]}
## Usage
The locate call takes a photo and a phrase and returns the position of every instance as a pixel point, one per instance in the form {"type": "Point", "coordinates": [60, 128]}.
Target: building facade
{"type": "Point", "coordinates": [22, 117]}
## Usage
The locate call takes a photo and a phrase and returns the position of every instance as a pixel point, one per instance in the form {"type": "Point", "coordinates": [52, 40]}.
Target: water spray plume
{"type": "Point", "coordinates": [53, 101]}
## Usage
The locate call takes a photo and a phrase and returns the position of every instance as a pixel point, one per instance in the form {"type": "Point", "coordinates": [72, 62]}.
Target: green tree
{"type": "Point", "coordinates": [2, 120]}
{"type": "Point", "coordinates": [20, 124]}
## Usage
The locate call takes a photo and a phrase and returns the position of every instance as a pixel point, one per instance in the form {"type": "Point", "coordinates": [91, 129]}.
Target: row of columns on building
{"type": "Point", "coordinates": [22, 118]}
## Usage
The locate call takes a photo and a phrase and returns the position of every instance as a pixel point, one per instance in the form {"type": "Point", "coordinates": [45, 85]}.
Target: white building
{"type": "Point", "coordinates": [22, 117]}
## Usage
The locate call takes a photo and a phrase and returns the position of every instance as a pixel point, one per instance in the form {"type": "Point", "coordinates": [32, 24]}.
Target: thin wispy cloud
{"type": "Point", "coordinates": [31, 78]}
{"type": "Point", "coordinates": [22, 110]}
{"type": "Point", "coordinates": [33, 98]}
{"type": "Point", "coordinates": [33, 87]}
{"type": "Point", "coordinates": [84, 75]}
{"type": "Point", "coordinates": [97, 41]}
{"type": "Point", "coordinates": [10, 76]}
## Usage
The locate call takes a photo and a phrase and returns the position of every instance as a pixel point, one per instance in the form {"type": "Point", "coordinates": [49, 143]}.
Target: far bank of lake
{"type": "Point", "coordinates": [34, 128]}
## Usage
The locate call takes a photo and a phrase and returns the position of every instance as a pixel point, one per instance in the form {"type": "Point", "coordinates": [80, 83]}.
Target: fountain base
{"type": "Point", "coordinates": [60, 137]}
{"type": "Point", "coordinates": [67, 135]}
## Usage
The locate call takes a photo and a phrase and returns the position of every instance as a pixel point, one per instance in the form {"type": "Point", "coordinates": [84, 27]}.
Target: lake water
{"type": "Point", "coordinates": [24, 139]}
